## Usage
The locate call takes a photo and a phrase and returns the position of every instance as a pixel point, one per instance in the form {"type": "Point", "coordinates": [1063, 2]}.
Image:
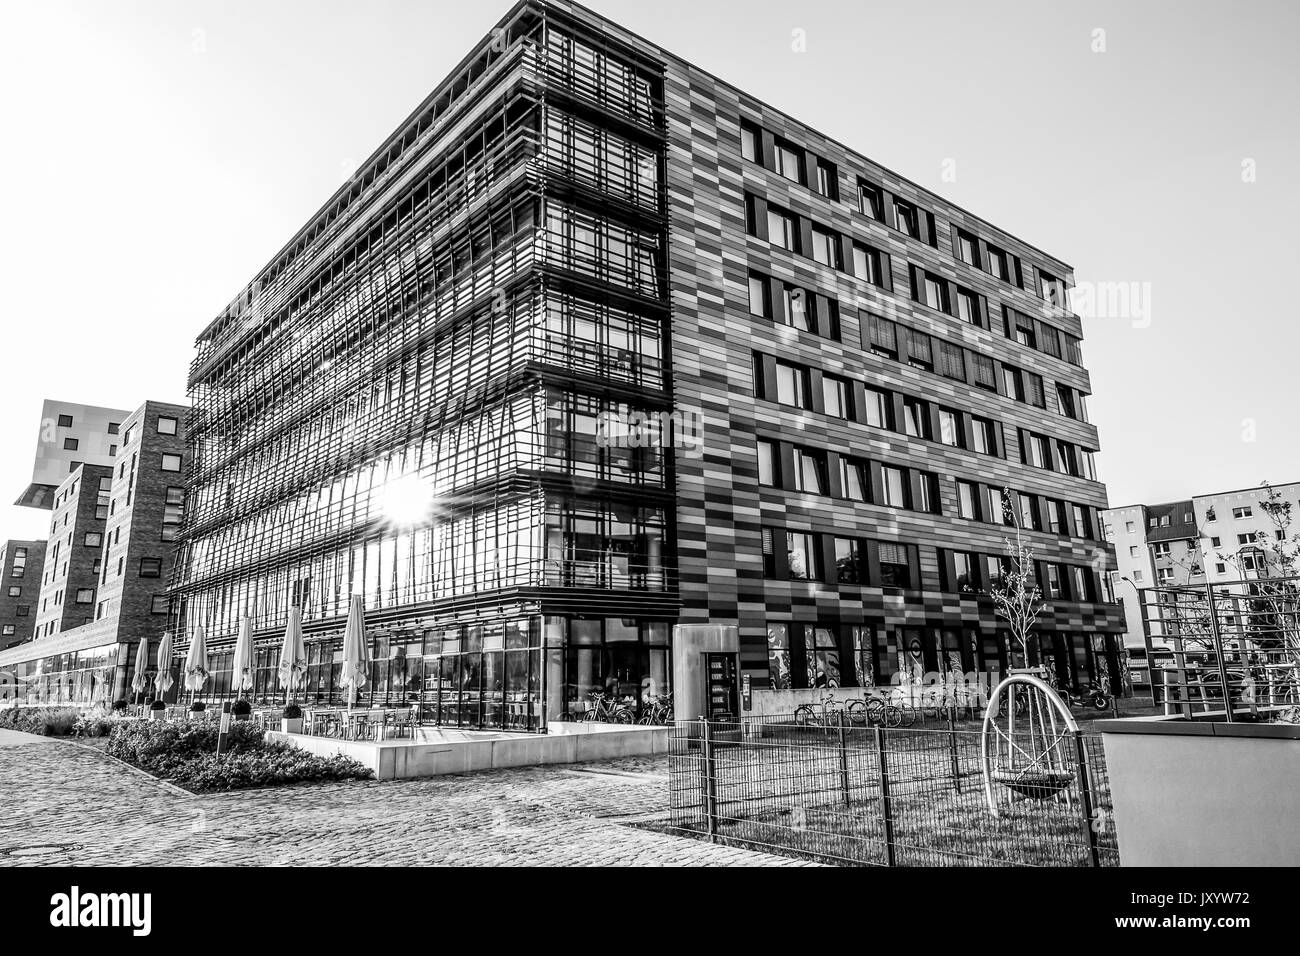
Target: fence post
{"type": "Point", "coordinates": [952, 748]}
{"type": "Point", "coordinates": [844, 760]}
{"type": "Point", "coordinates": [1085, 799]}
{"type": "Point", "coordinates": [886, 809]}
{"type": "Point", "coordinates": [710, 783]}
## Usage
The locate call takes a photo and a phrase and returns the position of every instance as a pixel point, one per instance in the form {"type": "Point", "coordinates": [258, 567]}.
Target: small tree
{"type": "Point", "coordinates": [1016, 596]}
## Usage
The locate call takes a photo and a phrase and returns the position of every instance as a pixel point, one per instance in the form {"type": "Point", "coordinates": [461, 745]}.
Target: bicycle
{"type": "Point", "coordinates": [899, 711]}
{"type": "Point", "coordinates": [806, 714]}
{"type": "Point", "coordinates": [605, 709]}
{"type": "Point", "coordinates": [658, 710]}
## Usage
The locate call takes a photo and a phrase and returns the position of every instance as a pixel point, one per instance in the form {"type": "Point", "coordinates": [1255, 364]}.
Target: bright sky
{"type": "Point", "coordinates": [157, 152]}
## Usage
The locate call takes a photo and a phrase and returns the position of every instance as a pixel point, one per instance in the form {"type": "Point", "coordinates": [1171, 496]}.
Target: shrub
{"type": "Point", "coordinates": [94, 725]}
{"type": "Point", "coordinates": [198, 707]}
{"type": "Point", "coordinates": [241, 708]}
{"type": "Point", "coordinates": [157, 705]}
{"type": "Point", "coordinates": [185, 753]}
{"type": "Point", "coordinates": [119, 705]}
{"type": "Point", "coordinates": [292, 712]}
{"type": "Point", "coordinates": [46, 721]}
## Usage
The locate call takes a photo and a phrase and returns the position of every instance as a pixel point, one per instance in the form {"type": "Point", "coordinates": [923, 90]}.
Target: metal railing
{"type": "Point", "coordinates": [881, 796]}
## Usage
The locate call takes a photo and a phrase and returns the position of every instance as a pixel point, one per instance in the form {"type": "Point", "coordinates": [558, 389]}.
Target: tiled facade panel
{"type": "Point", "coordinates": [72, 569]}
{"type": "Point", "coordinates": [721, 507]}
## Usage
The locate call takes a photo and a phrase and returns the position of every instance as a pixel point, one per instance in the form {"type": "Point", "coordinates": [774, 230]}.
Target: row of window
{"type": "Point", "coordinates": [815, 172]}
{"type": "Point", "coordinates": [810, 389]}
{"type": "Point", "coordinates": [816, 471]}
{"type": "Point", "coordinates": [971, 572]}
{"type": "Point", "coordinates": [810, 311]}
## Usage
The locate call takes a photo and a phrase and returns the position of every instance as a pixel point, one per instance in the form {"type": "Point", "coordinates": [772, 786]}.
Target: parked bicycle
{"type": "Point", "coordinates": [608, 710]}
{"type": "Point", "coordinates": [657, 710]}
{"type": "Point", "coordinates": [826, 714]}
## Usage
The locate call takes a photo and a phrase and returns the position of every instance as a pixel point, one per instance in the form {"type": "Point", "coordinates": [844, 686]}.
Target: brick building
{"type": "Point", "coordinates": [21, 565]}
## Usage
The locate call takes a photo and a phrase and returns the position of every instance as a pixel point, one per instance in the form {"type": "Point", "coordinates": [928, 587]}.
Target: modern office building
{"type": "Point", "coordinates": [108, 562]}
{"type": "Point", "coordinates": [21, 566]}
{"type": "Point", "coordinates": [1212, 539]}
{"type": "Point", "coordinates": [595, 344]}
{"type": "Point", "coordinates": [71, 434]}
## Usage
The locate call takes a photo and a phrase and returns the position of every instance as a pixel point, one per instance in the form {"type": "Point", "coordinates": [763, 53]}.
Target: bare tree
{"type": "Point", "coordinates": [1016, 596]}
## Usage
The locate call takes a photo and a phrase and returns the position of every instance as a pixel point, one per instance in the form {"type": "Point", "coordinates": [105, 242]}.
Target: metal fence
{"type": "Point", "coordinates": [882, 796]}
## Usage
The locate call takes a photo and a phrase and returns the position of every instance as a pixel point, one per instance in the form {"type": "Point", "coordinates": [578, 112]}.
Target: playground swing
{"type": "Point", "coordinates": [1025, 740]}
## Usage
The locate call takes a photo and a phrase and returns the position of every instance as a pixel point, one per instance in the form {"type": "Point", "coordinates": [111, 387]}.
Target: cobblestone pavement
{"type": "Point", "coordinates": [68, 804]}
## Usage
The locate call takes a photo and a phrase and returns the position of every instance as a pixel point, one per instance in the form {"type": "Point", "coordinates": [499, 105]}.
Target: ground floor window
{"type": "Point", "coordinates": [626, 660]}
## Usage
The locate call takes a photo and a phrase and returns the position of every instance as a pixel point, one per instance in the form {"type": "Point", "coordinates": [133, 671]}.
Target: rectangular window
{"type": "Point", "coordinates": [1082, 526]}
{"type": "Point", "coordinates": [782, 230]}
{"type": "Point", "coordinates": [968, 500]}
{"type": "Point", "coordinates": [810, 471]}
{"type": "Point", "coordinates": [750, 137]}
{"type": "Point", "coordinates": [93, 539]}
{"type": "Point", "coordinates": [1028, 514]}
{"type": "Point", "coordinates": [950, 428]}
{"type": "Point", "coordinates": [919, 352]}
{"type": "Point", "coordinates": [967, 248]}
{"type": "Point", "coordinates": [803, 555]}
{"type": "Point", "coordinates": [909, 221]}
{"type": "Point", "coordinates": [879, 408]}
{"type": "Point", "coordinates": [171, 462]}
{"type": "Point", "coordinates": [70, 444]}
{"type": "Point", "coordinates": [1215, 542]}
{"type": "Point", "coordinates": [928, 489]}
{"type": "Point", "coordinates": [159, 605]}
{"type": "Point", "coordinates": [760, 297]}
{"type": "Point", "coordinates": [983, 436]}
{"type": "Point", "coordinates": [1242, 512]}
{"type": "Point", "coordinates": [870, 200]}
{"type": "Point", "coordinates": [1052, 586]}
{"type": "Point", "coordinates": [767, 468]}
{"type": "Point", "coordinates": [853, 479]}
{"type": "Point", "coordinates": [848, 564]}
{"type": "Point", "coordinates": [916, 418]}
{"type": "Point", "coordinates": [895, 570]}
{"type": "Point", "coordinates": [835, 395]}
{"type": "Point", "coordinates": [797, 311]}
{"type": "Point", "coordinates": [791, 385]}
{"type": "Point", "coordinates": [85, 595]}
{"type": "Point", "coordinates": [150, 567]}
{"type": "Point", "coordinates": [828, 179]}
{"type": "Point", "coordinates": [788, 162]}
{"type": "Point", "coordinates": [983, 368]}
{"type": "Point", "coordinates": [166, 425]}
{"type": "Point", "coordinates": [951, 361]}
{"type": "Point", "coordinates": [1012, 385]}
{"type": "Point", "coordinates": [963, 571]}
{"type": "Point", "coordinates": [826, 248]}
{"type": "Point", "coordinates": [996, 261]}
{"type": "Point", "coordinates": [882, 336]}
{"type": "Point", "coordinates": [894, 481]}
{"type": "Point", "coordinates": [65, 421]}
{"type": "Point", "coordinates": [173, 512]}
{"type": "Point", "coordinates": [1036, 451]}
{"type": "Point", "coordinates": [968, 309]}
{"type": "Point", "coordinates": [935, 292]}
{"type": "Point", "coordinates": [867, 264]}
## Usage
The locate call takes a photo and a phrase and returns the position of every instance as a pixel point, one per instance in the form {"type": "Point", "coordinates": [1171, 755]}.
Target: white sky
{"type": "Point", "coordinates": [156, 153]}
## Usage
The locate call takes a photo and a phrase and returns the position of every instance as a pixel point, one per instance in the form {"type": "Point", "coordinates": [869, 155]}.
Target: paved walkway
{"type": "Point", "coordinates": [69, 804]}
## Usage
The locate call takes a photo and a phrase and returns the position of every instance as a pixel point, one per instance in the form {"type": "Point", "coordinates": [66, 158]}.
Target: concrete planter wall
{"type": "Point", "coordinates": [1203, 793]}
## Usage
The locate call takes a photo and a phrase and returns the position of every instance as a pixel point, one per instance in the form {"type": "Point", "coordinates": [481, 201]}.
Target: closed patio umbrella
{"type": "Point", "coordinates": [162, 681]}
{"type": "Point", "coordinates": [241, 670]}
{"type": "Point", "coordinates": [139, 682]}
{"type": "Point", "coordinates": [356, 650]}
{"type": "Point", "coordinates": [293, 655]}
{"type": "Point", "coordinates": [196, 661]}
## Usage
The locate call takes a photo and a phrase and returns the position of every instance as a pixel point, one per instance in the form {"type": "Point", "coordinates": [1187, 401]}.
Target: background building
{"type": "Point", "coordinates": [1207, 540]}
{"type": "Point", "coordinates": [70, 434]}
{"type": "Point", "coordinates": [108, 564]}
{"type": "Point", "coordinates": [444, 394]}
{"type": "Point", "coordinates": [21, 566]}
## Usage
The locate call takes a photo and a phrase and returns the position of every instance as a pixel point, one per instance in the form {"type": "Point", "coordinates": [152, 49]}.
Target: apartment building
{"type": "Point", "coordinates": [21, 565]}
{"type": "Point", "coordinates": [71, 434]}
{"type": "Point", "coordinates": [112, 546]}
{"type": "Point", "coordinates": [1214, 539]}
{"type": "Point", "coordinates": [594, 345]}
